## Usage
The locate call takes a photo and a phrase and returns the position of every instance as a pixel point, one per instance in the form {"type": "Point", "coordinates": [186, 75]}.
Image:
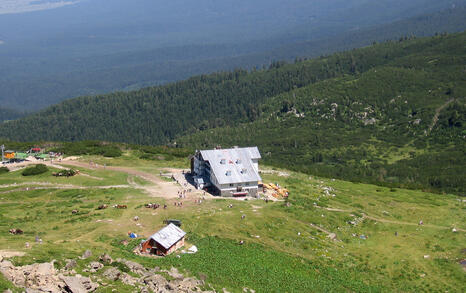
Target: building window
{"type": "Point", "coordinates": [247, 183]}
{"type": "Point", "coordinates": [244, 171]}
{"type": "Point", "coordinates": [228, 173]}
{"type": "Point", "coordinates": [231, 184]}
{"type": "Point", "coordinates": [222, 161]}
{"type": "Point", "coordinates": [238, 161]}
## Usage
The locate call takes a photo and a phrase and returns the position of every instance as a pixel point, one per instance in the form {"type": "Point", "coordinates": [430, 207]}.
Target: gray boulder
{"type": "Point", "coordinates": [112, 274]}
{"type": "Point", "coordinates": [86, 254]}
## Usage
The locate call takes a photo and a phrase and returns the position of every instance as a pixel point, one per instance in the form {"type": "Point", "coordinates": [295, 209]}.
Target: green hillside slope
{"type": "Point", "coordinates": [390, 113]}
{"type": "Point", "coordinates": [402, 123]}
{"type": "Point", "coordinates": [158, 114]}
{"type": "Point", "coordinates": [330, 235]}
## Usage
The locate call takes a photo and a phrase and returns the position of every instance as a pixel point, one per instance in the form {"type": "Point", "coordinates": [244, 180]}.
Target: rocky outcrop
{"type": "Point", "coordinates": [86, 254]}
{"type": "Point", "coordinates": [44, 277]}
{"type": "Point", "coordinates": [149, 281]}
{"type": "Point", "coordinates": [78, 284]}
{"type": "Point", "coordinates": [112, 274]}
{"type": "Point", "coordinates": [105, 258]}
{"type": "Point", "coordinates": [95, 266]}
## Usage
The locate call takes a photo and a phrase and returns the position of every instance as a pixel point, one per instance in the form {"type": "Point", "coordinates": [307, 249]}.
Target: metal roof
{"type": "Point", "coordinates": [168, 236]}
{"type": "Point", "coordinates": [233, 165]}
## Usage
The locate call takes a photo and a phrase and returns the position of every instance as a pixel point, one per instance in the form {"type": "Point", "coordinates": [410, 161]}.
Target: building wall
{"type": "Point", "coordinates": [176, 246]}
{"type": "Point", "coordinates": [227, 191]}
{"type": "Point", "coordinates": [255, 163]}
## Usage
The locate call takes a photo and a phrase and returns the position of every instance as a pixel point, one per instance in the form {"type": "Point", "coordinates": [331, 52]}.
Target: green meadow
{"type": "Point", "coordinates": [330, 236]}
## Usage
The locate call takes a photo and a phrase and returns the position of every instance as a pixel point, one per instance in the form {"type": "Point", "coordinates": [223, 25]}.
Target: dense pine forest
{"type": "Point", "coordinates": [392, 113]}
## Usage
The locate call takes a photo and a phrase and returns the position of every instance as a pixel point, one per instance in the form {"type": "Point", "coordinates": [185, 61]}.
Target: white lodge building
{"type": "Point", "coordinates": [230, 172]}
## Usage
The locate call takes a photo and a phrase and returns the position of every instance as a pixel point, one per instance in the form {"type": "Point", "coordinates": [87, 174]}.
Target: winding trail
{"type": "Point", "coordinates": [437, 114]}
{"type": "Point", "coordinates": [158, 188]}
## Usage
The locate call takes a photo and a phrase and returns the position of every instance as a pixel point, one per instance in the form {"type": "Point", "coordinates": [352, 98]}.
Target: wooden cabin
{"type": "Point", "coordinates": [165, 241]}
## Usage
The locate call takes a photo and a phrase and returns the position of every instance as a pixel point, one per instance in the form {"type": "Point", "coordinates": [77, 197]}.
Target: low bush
{"type": "Point", "coordinates": [36, 170]}
{"type": "Point", "coordinates": [4, 170]}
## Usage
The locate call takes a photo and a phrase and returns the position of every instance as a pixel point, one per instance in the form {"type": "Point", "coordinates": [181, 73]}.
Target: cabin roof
{"type": "Point", "coordinates": [233, 165]}
{"type": "Point", "coordinates": [168, 236]}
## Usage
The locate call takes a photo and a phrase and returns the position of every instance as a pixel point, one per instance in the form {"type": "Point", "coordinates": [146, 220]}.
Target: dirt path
{"type": "Point", "coordinates": [158, 188]}
{"type": "Point", "coordinates": [10, 253]}
{"type": "Point", "coordinates": [437, 114]}
{"type": "Point", "coordinates": [56, 186]}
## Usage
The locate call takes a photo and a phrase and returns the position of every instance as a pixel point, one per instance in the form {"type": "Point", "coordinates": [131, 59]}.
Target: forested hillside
{"type": "Point", "coordinates": [390, 113]}
{"type": "Point", "coordinates": [399, 124]}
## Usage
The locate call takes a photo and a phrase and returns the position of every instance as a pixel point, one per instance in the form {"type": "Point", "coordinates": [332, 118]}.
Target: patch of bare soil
{"type": "Point", "coordinates": [10, 253]}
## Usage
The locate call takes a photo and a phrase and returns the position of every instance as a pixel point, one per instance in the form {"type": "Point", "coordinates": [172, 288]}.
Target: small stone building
{"type": "Point", "coordinates": [165, 241]}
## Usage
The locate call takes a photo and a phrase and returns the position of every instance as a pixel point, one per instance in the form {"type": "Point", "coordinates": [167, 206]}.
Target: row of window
{"type": "Point", "coordinates": [243, 171]}
{"type": "Point", "coordinates": [239, 184]}
{"type": "Point", "coordinates": [224, 161]}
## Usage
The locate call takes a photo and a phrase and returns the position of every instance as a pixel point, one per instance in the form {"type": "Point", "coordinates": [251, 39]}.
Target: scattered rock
{"type": "Point", "coordinates": [78, 284]}
{"type": "Point", "coordinates": [426, 256]}
{"type": "Point", "coordinates": [129, 280]}
{"type": "Point", "coordinates": [173, 272]}
{"type": "Point", "coordinates": [332, 236]}
{"type": "Point", "coordinates": [86, 254]}
{"type": "Point", "coordinates": [106, 258]}
{"type": "Point", "coordinates": [112, 274]}
{"type": "Point", "coordinates": [95, 266]}
{"type": "Point", "coordinates": [133, 266]}
{"type": "Point", "coordinates": [70, 264]}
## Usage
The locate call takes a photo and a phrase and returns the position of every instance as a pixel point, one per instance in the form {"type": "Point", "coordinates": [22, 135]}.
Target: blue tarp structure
{"type": "Point", "coordinates": [132, 235]}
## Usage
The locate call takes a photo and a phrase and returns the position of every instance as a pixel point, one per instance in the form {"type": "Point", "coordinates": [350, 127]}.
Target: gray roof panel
{"type": "Point", "coordinates": [233, 165]}
{"type": "Point", "coordinates": [168, 236]}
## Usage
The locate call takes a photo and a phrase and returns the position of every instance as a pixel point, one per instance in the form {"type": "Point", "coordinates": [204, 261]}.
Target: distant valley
{"type": "Point", "coordinates": [43, 65]}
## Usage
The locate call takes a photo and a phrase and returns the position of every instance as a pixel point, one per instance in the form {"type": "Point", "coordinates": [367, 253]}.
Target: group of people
{"type": "Point", "coordinates": [182, 194]}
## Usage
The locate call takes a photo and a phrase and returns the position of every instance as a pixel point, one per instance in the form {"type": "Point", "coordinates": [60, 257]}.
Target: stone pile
{"type": "Point", "coordinates": [43, 277]}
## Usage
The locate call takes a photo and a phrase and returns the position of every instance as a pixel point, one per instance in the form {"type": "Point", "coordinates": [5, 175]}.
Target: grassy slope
{"type": "Point", "coordinates": [333, 138]}
{"type": "Point", "coordinates": [279, 259]}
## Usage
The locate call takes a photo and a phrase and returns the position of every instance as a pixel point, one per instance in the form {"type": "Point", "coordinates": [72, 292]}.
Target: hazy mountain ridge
{"type": "Point", "coordinates": [79, 66]}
